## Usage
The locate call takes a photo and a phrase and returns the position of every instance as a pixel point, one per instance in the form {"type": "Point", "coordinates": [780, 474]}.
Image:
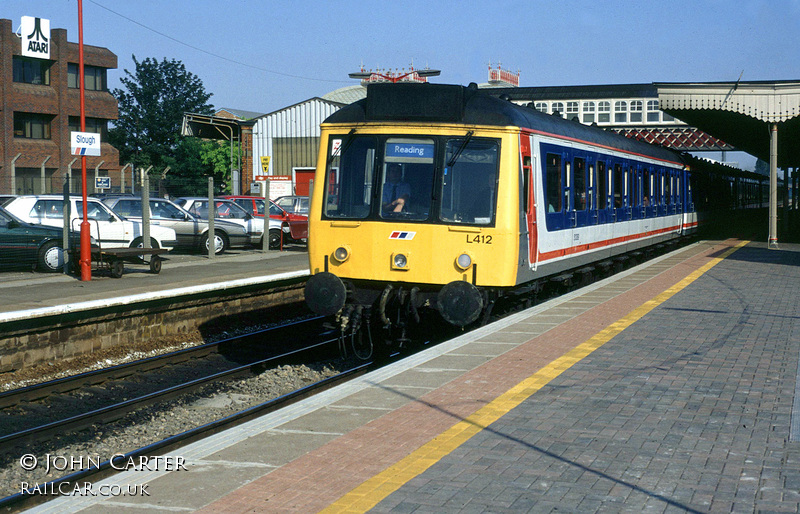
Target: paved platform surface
{"type": "Point", "coordinates": [667, 388]}
{"type": "Point", "coordinates": [27, 290]}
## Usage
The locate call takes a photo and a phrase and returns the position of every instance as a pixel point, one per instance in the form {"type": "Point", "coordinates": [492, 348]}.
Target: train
{"type": "Point", "coordinates": [446, 199]}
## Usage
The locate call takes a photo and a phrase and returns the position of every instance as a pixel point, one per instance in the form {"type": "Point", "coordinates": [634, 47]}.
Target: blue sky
{"type": "Point", "coordinates": [271, 54]}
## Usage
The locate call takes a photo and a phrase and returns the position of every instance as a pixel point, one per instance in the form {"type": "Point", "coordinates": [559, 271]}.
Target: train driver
{"type": "Point", "coordinates": [395, 192]}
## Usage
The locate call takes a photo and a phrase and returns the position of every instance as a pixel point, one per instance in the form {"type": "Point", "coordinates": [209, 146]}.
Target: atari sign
{"type": "Point", "coordinates": [35, 34]}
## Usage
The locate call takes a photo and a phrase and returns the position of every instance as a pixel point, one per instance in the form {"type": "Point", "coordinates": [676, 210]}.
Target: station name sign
{"type": "Point", "coordinates": [84, 143]}
{"type": "Point", "coordinates": [35, 33]}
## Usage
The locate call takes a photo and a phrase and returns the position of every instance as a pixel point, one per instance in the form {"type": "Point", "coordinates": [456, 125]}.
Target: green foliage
{"type": "Point", "coordinates": [193, 161]}
{"type": "Point", "coordinates": [151, 111]}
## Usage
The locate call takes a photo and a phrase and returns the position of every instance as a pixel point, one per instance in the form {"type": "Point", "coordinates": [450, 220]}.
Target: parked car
{"type": "Point", "coordinates": [294, 204]}
{"type": "Point", "coordinates": [297, 223]}
{"type": "Point", "coordinates": [32, 245]}
{"type": "Point", "coordinates": [227, 210]}
{"type": "Point", "coordinates": [191, 231]}
{"type": "Point", "coordinates": [109, 229]}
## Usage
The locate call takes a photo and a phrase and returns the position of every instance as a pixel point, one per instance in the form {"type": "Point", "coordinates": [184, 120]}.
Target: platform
{"type": "Point", "coordinates": [669, 387]}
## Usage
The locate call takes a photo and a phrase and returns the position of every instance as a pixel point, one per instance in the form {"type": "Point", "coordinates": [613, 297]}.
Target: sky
{"type": "Point", "coordinates": [262, 56]}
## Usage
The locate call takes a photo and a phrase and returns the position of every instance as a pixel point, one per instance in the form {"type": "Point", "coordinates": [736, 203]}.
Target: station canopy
{"type": "Point", "coordinates": [740, 113]}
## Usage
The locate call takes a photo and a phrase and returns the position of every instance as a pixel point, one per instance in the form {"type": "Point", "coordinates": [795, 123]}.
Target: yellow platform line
{"type": "Point", "coordinates": [375, 489]}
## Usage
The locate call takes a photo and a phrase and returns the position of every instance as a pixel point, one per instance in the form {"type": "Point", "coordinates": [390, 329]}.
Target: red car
{"type": "Point", "coordinates": [255, 205]}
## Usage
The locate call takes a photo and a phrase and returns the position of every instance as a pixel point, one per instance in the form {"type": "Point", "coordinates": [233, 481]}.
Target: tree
{"type": "Point", "coordinates": [193, 161]}
{"type": "Point", "coordinates": [151, 110]}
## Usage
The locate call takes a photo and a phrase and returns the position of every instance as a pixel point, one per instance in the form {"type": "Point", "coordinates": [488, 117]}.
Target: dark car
{"type": "Point", "coordinates": [23, 244]}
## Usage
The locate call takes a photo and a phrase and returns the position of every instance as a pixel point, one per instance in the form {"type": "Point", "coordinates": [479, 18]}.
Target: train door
{"type": "Point", "coordinates": [604, 214]}
{"type": "Point", "coordinates": [620, 192]}
{"type": "Point", "coordinates": [592, 197]}
{"type": "Point", "coordinates": [529, 231]}
{"type": "Point", "coordinates": [570, 217]}
{"type": "Point", "coordinates": [580, 192]}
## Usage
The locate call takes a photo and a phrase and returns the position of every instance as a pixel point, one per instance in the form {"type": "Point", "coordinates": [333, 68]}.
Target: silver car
{"type": "Point", "coordinates": [191, 231]}
{"type": "Point", "coordinates": [229, 211]}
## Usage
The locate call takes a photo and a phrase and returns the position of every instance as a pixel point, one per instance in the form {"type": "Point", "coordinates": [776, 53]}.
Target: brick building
{"type": "Point", "coordinates": [40, 105]}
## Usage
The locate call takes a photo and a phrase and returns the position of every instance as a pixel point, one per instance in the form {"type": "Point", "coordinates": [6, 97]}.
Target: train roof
{"type": "Point", "coordinates": [446, 103]}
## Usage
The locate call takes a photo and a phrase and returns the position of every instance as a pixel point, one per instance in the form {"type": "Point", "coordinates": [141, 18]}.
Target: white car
{"type": "Point", "coordinates": [109, 229]}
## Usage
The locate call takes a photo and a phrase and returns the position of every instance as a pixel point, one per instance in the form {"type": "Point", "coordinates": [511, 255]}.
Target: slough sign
{"type": "Point", "coordinates": [84, 143]}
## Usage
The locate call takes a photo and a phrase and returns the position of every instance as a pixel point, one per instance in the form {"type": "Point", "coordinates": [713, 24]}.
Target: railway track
{"type": "Point", "coordinates": [239, 354]}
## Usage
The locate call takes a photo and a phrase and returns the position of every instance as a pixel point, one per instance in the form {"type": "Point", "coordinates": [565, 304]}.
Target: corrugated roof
{"type": "Point", "coordinates": [347, 95]}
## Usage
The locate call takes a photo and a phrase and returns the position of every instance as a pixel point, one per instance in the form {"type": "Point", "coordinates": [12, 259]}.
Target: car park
{"type": "Point", "coordinates": [227, 210]}
{"type": "Point", "coordinates": [294, 226]}
{"type": "Point", "coordinates": [191, 231]}
{"type": "Point", "coordinates": [24, 244]}
{"type": "Point", "coordinates": [108, 228]}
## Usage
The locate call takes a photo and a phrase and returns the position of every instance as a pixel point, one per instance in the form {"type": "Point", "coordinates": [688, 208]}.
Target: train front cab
{"type": "Point", "coordinates": [457, 235]}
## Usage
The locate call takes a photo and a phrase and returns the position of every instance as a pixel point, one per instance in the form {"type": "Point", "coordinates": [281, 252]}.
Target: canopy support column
{"type": "Point", "coordinates": [773, 187]}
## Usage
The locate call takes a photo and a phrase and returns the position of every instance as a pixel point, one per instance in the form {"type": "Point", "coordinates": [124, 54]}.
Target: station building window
{"type": "Point", "coordinates": [621, 112]}
{"type": "Point", "coordinates": [572, 110]}
{"type": "Point", "coordinates": [588, 112]}
{"type": "Point", "coordinates": [652, 111]}
{"type": "Point", "coordinates": [94, 77]}
{"type": "Point", "coordinates": [558, 108]}
{"type": "Point", "coordinates": [541, 106]}
{"type": "Point", "coordinates": [603, 112]}
{"type": "Point", "coordinates": [31, 71]}
{"type": "Point", "coordinates": [636, 111]}
{"type": "Point", "coordinates": [32, 126]}
{"type": "Point", "coordinates": [96, 125]}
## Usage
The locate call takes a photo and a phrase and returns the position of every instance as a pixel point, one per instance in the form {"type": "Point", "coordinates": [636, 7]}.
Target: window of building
{"type": "Point", "coordinates": [97, 125]}
{"type": "Point", "coordinates": [572, 110]}
{"type": "Point", "coordinates": [541, 106]}
{"type": "Point", "coordinates": [558, 108]}
{"type": "Point", "coordinates": [621, 112]}
{"type": "Point", "coordinates": [636, 111]}
{"type": "Point", "coordinates": [588, 112]}
{"type": "Point", "coordinates": [653, 114]}
{"type": "Point", "coordinates": [667, 117]}
{"type": "Point", "coordinates": [604, 112]}
{"type": "Point", "coordinates": [94, 77]}
{"type": "Point", "coordinates": [32, 126]}
{"type": "Point", "coordinates": [31, 71]}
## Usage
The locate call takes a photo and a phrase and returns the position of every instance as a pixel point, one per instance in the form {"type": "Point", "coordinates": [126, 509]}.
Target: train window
{"type": "Point", "coordinates": [568, 186]}
{"type": "Point", "coordinates": [602, 187]}
{"type": "Point", "coordinates": [526, 182]}
{"type": "Point", "coordinates": [618, 185]}
{"type": "Point", "coordinates": [633, 199]}
{"type": "Point", "coordinates": [668, 188]}
{"type": "Point", "coordinates": [677, 188]}
{"type": "Point", "coordinates": [588, 112]}
{"type": "Point", "coordinates": [469, 181]}
{"type": "Point", "coordinates": [580, 184]}
{"type": "Point", "coordinates": [553, 185]}
{"type": "Point", "coordinates": [636, 111]}
{"type": "Point", "coordinates": [603, 112]}
{"type": "Point", "coordinates": [592, 189]}
{"type": "Point", "coordinates": [407, 178]}
{"type": "Point", "coordinates": [646, 189]}
{"type": "Point", "coordinates": [621, 112]}
{"type": "Point", "coordinates": [350, 167]}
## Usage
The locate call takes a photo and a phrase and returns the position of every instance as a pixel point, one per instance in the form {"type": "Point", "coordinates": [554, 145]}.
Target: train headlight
{"type": "Point", "coordinates": [400, 261]}
{"type": "Point", "coordinates": [341, 254]}
{"type": "Point", "coordinates": [464, 261]}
